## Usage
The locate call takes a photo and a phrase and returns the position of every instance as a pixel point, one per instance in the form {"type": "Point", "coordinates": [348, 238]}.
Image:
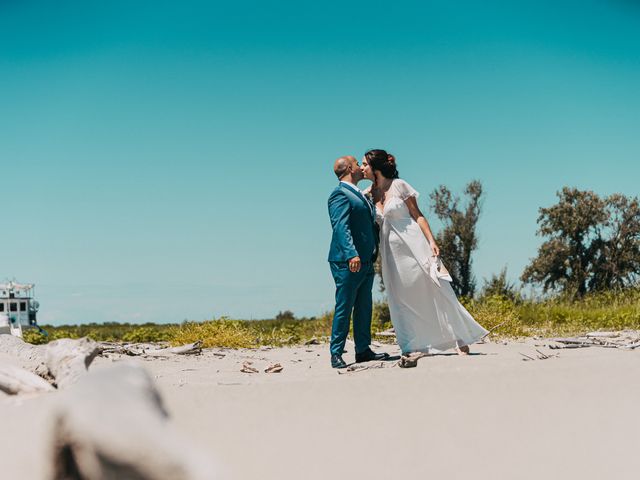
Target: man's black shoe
{"type": "Point", "coordinates": [337, 362]}
{"type": "Point", "coordinates": [369, 355]}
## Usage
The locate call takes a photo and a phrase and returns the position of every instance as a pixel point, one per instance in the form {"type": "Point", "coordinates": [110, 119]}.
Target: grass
{"type": "Point", "coordinates": [504, 317]}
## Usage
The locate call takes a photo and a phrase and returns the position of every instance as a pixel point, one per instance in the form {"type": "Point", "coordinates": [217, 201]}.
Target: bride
{"type": "Point", "coordinates": [425, 312]}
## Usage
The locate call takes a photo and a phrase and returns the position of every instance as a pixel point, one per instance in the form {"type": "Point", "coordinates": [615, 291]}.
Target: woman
{"type": "Point", "coordinates": [425, 312]}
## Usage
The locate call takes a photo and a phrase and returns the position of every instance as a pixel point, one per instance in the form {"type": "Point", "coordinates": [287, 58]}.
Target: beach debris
{"type": "Point", "coordinates": [603, 334]}
{"type": "Point", "coordinates": [68, 359]}
{"type": "Point", "coordinates": [387, 333]}
{"type": "Point", "coordinates": [247, 368]}
{"type": "Point", "coordinates": [312, 341]}
{"type": "Point", "coordinates": [155, 350]}
{"type": "Point", "coordinates": [113, 424]}
{"type": "Point", "coordinates": [275, 368]}
{"type": "Point", "coordinates": [188, 349]}
{"type": "Point", "coordinates": [626, 340]}
{"type": "Point", "coordinates": [360, 367]}
{"type": "Point", "coordinates": [539, 356]}
{"type": "Point", "coordinates": [15, 380]}
{"type": "Point", "coordinates": [60, 362]}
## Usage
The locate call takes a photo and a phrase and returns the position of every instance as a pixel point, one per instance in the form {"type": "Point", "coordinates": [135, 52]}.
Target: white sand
{"type": "Point", "coordinates": [486, 416]}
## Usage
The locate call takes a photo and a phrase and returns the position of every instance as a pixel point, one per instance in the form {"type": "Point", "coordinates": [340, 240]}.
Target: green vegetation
{"type": "Point", "coordinates": [504, 316]}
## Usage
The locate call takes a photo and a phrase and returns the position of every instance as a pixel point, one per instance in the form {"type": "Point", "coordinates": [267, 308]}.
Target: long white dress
{"type": "Point", "coordinates": [425, 311]}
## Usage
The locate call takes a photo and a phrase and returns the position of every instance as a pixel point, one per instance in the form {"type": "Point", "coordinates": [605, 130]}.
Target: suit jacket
{"type": "Point", "coordinates": [355, 233]}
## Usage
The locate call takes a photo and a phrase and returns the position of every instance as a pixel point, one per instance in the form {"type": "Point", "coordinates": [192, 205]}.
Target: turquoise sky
{"type": "Point", "coordinates": [172, 160]}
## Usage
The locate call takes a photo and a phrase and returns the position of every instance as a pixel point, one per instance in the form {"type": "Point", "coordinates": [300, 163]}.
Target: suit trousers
{"type": "Point", "coordinates": [353, 295]}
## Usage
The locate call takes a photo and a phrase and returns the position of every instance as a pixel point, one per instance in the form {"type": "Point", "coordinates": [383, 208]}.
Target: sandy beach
{"type": "Point", "coordinates": [491, 415]}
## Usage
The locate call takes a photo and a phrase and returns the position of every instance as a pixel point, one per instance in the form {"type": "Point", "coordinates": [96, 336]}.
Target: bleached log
{"type": "Point", "coordinates": [189, 349]}
{"type": "Point", "coordinates": [30, 357]}
{"type": "Point", "coordinates": [15, 380]}
{"type": "Point", "coordinates": [60, 362]}
{"type": "Point", "coordinates": [68, 359]}
{"type": "Point", "coordinates": [575, 341]}
{"type": "Point", "coordinates": [112, 424]}
{"type": "Point", "coordinates": [603, 334]}
{"type": "Point", "coordinates": [153, 350]}
{"type": "Point", "coordinates": [386, 333]}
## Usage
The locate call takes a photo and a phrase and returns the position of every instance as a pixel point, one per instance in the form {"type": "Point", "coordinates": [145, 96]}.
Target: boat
{"type": "Point", "coordinates": [18, 308]}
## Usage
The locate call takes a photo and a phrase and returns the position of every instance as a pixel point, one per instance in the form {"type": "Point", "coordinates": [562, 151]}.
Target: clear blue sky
{"type": "Point", "coordinates": [170, 160]}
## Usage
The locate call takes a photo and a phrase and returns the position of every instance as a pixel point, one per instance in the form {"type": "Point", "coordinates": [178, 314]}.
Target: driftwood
{"type": "Point", "coordinates": [150, 349]}
{"type": "Point", "coordinates": [387, 333]}
{"type": "Point", "coordinates": [275, 368]}
{"type": "Point", "coordinates": [68, 359]}
{"type": "Point", "coordinates": [540, 356]}
{"type": "Point", "coordinates": [361, 367]}
{"type": "Point", "coordinates": [60, 362]}
{"type": "Point", "coordinates": [189, 349]}
{"type": "Point", "coordinates": [22, 354]}
{"type": "Point", "coordinates": [112, 425]}
{"type": "Point", "coordinates": [247, 368]}
{"type": "Point", "coordinates": [628, 340]}
{"type": "Point", "coordinates": [15, 380]}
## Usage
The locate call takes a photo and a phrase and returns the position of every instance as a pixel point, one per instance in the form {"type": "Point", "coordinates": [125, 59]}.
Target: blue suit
{"type": "Point", "coordinates": [354, 235]}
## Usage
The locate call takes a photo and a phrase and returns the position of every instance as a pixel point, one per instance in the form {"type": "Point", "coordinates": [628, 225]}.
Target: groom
{"type": "Point", "coordinates": [351, 256]}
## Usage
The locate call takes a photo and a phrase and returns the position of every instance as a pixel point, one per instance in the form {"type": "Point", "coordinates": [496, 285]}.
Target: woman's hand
{"type": "Point", "coordinates": [435, 249]}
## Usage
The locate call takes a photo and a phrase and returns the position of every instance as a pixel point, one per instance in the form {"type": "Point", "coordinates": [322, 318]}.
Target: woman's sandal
{"type": "Point", "coordinates": [407, 362]}
{"type": "Point", "coordinates": [463, 350]}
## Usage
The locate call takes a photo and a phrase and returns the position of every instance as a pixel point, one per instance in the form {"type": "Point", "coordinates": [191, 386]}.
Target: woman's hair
{"type": "Point", "coordinates": [382, 161]}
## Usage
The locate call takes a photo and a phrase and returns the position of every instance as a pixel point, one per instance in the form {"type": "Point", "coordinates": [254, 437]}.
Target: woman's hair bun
{"type": "Point", "coordinates": [383, 162]}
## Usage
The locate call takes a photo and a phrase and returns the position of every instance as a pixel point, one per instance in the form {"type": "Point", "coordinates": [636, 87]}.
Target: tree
{"type": "Point", "coordinates": [499, 286]}
{"type": "Point", "coordinates": [617, 264]}
{"type": "Point", "coordinates": [593, 243]}
{"type": "Point", "coordinates": [458, 239]}
{"type": "Point", "coordinates": [286, 315]}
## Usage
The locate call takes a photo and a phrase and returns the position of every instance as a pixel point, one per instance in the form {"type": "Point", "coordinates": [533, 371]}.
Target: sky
{"type": "Point", "coordinates": [163, 161]}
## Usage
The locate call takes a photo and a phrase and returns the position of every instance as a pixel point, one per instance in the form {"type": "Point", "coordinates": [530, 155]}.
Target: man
{"type": "Point", "coordinates": [351, 255]}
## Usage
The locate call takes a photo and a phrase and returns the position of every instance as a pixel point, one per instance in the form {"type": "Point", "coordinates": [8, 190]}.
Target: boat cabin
{"type": "Point", "coordinates": [18, 309]}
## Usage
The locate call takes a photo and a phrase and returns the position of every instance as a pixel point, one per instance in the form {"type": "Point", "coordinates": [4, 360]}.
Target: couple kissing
{"type": "Point", "coordinates": [385, 220]}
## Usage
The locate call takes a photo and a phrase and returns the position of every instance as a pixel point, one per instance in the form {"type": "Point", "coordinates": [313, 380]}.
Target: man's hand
{"type": "Point", "coordinates": [354, 264]}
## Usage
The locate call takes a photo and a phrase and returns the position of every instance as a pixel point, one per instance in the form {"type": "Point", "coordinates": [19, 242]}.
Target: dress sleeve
{"type": "Point", "coordinates": [405, 190]}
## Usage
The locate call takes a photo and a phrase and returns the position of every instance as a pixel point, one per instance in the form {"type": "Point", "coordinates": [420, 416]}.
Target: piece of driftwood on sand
{"type": "Point", "coordinates": [60, 362]}
{"type": "Point", "coordinates": [627, 340]}
{"type": "Point", "coordinates": [112, 424]}
{"type": "Point", "coordinates": [15, 380]}
{"type": "Point", "coordinates": [150, 349]}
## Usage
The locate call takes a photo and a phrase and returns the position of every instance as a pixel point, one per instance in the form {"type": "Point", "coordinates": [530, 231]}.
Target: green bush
{"type": "Point", "coordinates": [503, 316]}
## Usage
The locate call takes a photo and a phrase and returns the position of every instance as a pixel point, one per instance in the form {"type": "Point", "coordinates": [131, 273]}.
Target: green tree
{"type": "Point", "coordinates": [286, 315]}
{"type": "Point", "coordinates": [499, 286]}
{"type": "Point", "coordinates": [458, 239]}
{"type": "Point", "coordinates": [593, 243]}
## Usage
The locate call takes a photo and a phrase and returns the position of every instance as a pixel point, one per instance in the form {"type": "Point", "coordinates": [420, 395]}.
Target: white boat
{"type": "Point", "coordinates": [18, 309]}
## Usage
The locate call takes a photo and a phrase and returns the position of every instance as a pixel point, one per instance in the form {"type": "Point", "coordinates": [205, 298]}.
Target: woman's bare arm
{"type": "Point", "coordinates": [417, 215]}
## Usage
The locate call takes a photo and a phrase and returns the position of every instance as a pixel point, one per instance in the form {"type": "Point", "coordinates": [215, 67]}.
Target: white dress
{"type": "Point", "coordinates": [425, 312]}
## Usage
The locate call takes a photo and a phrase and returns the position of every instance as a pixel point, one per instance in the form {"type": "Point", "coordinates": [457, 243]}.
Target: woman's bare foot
{"type": "Point", "coordinates": [463, 350]}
